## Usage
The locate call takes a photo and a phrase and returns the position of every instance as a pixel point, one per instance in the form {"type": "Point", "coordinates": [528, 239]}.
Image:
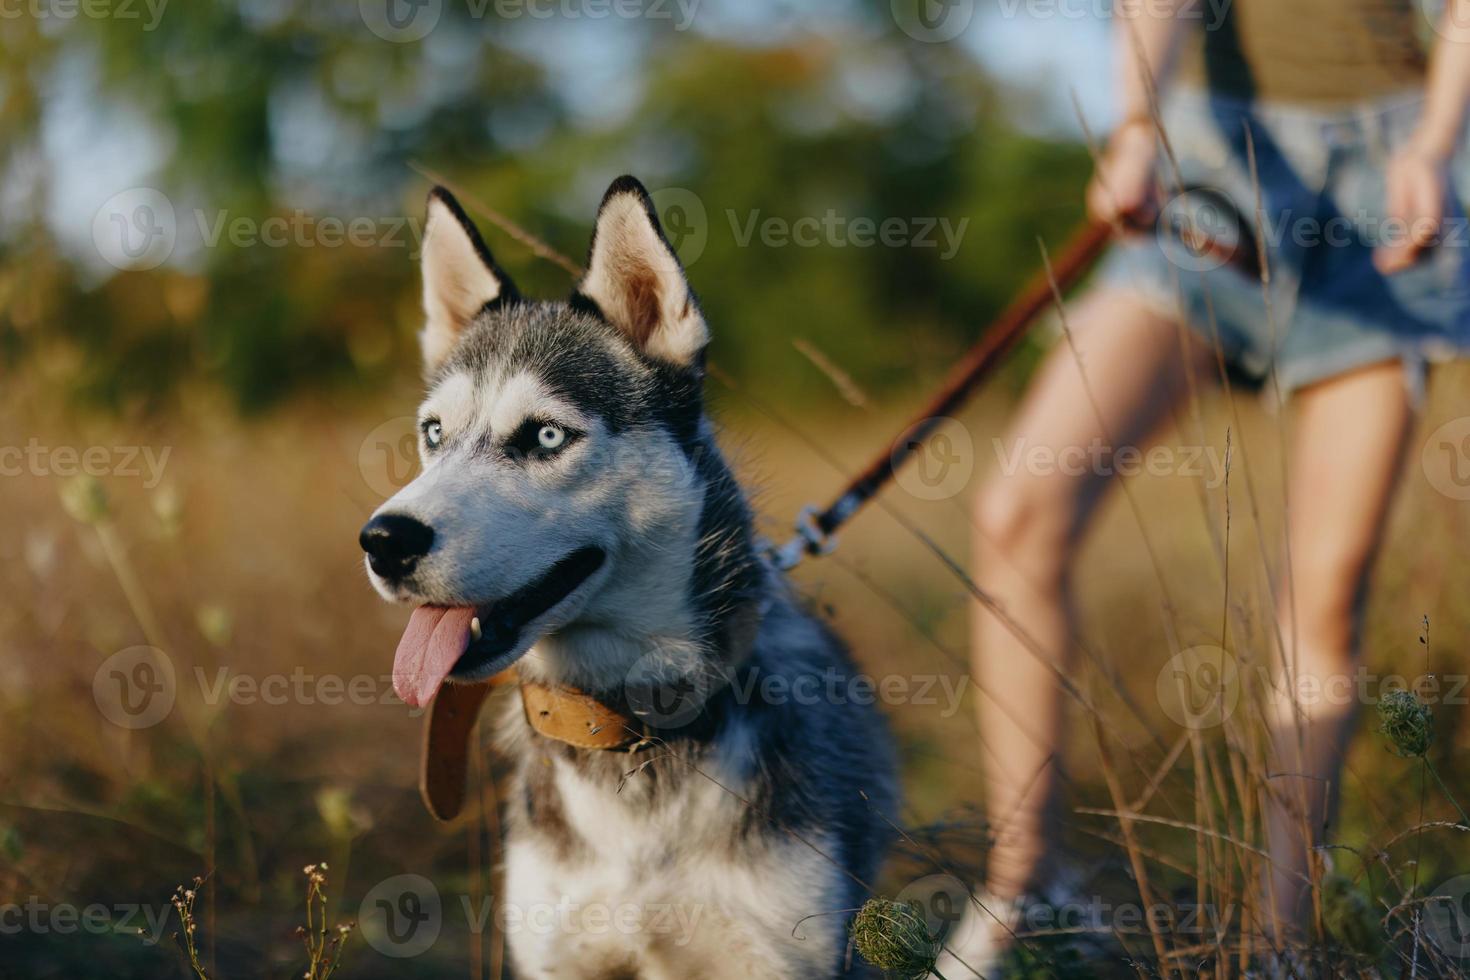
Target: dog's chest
{"type": "Point", "coordinates": [666, 885]}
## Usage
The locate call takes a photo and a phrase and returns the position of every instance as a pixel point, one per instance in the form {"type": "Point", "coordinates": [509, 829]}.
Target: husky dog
{"type": "Point", "coordinates": [575, 518]}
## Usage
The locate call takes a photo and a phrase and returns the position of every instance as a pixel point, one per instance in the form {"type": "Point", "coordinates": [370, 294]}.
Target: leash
{"type": "Point", "coordinates": [816, 529]}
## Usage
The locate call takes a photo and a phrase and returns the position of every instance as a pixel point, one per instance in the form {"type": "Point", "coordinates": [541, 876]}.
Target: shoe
{"type": "Point", "coordinates": [978, 943]}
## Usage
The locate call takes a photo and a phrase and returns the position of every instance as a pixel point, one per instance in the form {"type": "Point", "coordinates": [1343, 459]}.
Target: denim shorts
{"type": "Point", "coordinates": [1321, 179]}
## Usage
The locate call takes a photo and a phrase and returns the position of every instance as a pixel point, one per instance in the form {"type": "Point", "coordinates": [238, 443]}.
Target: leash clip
{"type": "Point", "coordinates": [809, 540]}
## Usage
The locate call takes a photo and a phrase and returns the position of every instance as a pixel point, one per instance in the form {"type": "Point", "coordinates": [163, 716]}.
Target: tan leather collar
{"type": "Point", "coordinates": [562, 713]}
{"type": "Point", "coordinates": [578, 719]}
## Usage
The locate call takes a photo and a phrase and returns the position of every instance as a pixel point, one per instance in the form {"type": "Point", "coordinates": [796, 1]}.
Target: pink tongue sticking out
{"type": "Point", "coordinates": [435, 639]}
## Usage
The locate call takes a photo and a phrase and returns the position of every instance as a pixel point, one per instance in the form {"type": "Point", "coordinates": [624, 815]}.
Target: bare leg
{"type": "Point", "coordinates": [1347, 447]}
{"type": "Point", "coordinates": [1029, 520]}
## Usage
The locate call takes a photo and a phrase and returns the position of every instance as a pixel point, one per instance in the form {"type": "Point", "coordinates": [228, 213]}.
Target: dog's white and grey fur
{"type": "Point", "coordinates": [759, 819]}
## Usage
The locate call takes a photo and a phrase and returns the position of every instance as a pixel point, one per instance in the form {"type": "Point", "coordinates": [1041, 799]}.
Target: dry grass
{"type": "Point", "coordinates": [244, 560]}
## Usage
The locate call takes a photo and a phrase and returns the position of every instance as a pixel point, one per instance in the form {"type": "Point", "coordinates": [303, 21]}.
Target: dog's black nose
{"type": "Point", "coordinates": [393, 543]}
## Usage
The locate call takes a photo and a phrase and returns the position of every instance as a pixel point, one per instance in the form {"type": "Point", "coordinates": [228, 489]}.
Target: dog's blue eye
{"type": "Point", "coordinates": [433, 434]}
{"type": "Point", "coordinates": [539, 439]}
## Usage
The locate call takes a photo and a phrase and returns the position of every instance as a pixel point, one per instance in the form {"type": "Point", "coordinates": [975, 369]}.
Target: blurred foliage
{"type": "Point", "coordinates": [294, 109]}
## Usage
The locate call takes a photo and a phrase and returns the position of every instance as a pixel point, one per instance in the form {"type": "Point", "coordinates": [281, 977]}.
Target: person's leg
{"type": "Point", "coordinates": [1027, 524]}
{"type": "Point", "coordinates": [1347, 446]}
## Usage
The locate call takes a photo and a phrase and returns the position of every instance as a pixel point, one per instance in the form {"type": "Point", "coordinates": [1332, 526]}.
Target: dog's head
{"type": "Point", "coordinates": [561, 488]}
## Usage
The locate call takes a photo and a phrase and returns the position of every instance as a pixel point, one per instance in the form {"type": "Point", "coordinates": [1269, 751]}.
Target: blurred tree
{"type": "Point", "coordinates": [272, 126]}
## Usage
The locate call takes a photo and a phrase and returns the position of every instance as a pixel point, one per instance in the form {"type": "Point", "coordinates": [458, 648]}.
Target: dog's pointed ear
{"type": "Point", "coordinates": [460, 277]}
{"type": "Point", "coordinates": [635, 281]}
